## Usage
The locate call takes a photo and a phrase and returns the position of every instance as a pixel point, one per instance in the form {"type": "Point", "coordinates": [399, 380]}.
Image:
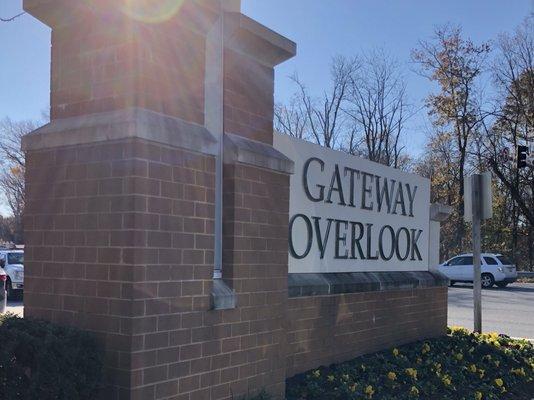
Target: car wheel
{"type": "Point", "coordinates": [452, 283]}
{"type": "Point", "coordinates": [487, 281]}
{"type": "Point", "coordinates": [502, 285]}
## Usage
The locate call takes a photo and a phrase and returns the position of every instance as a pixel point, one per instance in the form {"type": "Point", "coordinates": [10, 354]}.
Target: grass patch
{"type": "Point", "coordinates": [459, 366]}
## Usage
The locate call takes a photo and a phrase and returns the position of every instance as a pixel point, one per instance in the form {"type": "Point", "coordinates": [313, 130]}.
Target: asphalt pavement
{"type": "Point", "coordinates": [509, 311]}
{"type": "Point", "coordinates": [15, 307]}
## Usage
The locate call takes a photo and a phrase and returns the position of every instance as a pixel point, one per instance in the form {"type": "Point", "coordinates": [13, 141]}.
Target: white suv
{"type": "Point", "coordinates": [496, 269]}
{"type": "Point", "coordinates": [12, 261]}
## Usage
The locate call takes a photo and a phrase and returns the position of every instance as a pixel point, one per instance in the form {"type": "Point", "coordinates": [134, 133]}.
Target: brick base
{"type": "Point", "coordinates": [322, 330]}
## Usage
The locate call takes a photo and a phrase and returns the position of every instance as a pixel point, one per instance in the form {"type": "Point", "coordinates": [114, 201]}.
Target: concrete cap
{"type": "Point", "coordinates": [122, 124]}
{"type": "Point", "coordinates": [249, 37]}
{"type": "Point", "coordinates": [238, 149]}
{"type": "Point", "coordinates": [439, 212]}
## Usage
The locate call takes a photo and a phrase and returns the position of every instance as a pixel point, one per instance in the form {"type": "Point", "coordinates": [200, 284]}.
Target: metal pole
{"type": "Point", "coordinates": [476, 187]}
{"type": "Point", "coordinates": [214, 122]}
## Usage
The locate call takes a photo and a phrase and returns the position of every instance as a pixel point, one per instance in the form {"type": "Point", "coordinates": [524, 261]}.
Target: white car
{"type": "Point", "coordinates": [496, 269]}
{"type": "Point", "coordinates": [12, 261]}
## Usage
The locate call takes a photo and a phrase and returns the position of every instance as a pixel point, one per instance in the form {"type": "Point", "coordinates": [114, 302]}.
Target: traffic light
{"type": "Point", "coordinates": [522, 154]}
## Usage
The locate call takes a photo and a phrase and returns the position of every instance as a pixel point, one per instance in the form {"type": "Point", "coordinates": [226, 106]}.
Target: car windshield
{"type": "Point", "coordinates": [504, 260]}
{"type": "Point", "coordinates": [15, 258]}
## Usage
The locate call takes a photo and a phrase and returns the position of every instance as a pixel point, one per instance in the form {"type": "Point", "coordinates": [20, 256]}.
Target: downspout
{"type": "Point", "coordinates": [214, 122]}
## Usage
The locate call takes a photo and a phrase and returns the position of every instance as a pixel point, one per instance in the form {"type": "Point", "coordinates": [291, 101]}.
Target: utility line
{"type": "Point", "coordinates": [12, 18]}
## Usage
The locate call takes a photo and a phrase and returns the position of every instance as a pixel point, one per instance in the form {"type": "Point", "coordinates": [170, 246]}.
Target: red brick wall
{"type": "Point", "coordinates": [106, 62]}
{"type": "Point", "coordinates": [322, 330]}
{"type": "Point", "coordinates": [248, 97]}
{"type": "Point", "coordinates": [120, 242]}
{"type": "Point", "coordinates": [256, 206]}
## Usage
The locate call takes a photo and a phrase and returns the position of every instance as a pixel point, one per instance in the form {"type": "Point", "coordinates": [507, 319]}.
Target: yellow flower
{"type": "Point", "coordinates": [473, 368]}
{"type": "Point", "coordinates": [518, 371]}
{"type": "Point", "coordinates": [330, 378]}
{"type": "Point", "coordinates": [395, 352]}
{"type": "Point", "coordinates": [481, 373]}
{"type": "Point", "coordinates": [459, 329]}
{"type": "Point", "coordinates": [499, 382]}
{"type": "Point", "coordinates": [392, 376]}
{"type": "Point", "coordinates": [478, 396]}
{"type": "Point", "coordinates": [317, 373]}
{"type": "Point", "coordinates": [425, 349]}
{"type": "Point", "coordinates": [369, 391]}
{"type": "Point", "coordinates": [438, 366]}
{"type": "Point", "coordinates": [414, 391]}
{"type": "Point", "coordinates": [418, 360]}
{"type": "Point", "coordinates": [459, 356]}
{"type": "Point", "coordinates": [446, 380]}
{"type": "Point", "coordinates": [411, 372]}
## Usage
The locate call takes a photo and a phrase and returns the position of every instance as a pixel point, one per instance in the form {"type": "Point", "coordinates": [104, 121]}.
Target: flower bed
{"type": "Point", "coordinates": [461, 365]}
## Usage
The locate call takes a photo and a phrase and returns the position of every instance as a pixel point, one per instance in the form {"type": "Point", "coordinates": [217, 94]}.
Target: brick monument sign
{"type": "Point", "coordinates": [161, 217]}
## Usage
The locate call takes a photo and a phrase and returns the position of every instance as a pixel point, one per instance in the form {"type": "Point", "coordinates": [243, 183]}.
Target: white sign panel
{"type": "Point", "coordinates": [348, 214]}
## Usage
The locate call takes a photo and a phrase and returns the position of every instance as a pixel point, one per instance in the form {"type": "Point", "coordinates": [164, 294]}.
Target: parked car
{"type": "Point", "coordinates": [3, 293]}
{"type": "Point", "coordinates": [12, 261]}
{"type": "Point", "coordinates": [496, 269]}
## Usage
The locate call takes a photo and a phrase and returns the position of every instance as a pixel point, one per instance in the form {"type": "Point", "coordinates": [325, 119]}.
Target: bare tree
{"type": "Point", "coordinates": [512, 125]}
{"type": "Point", "coordinates": [13, 18]}
{"type": "Point", "coordinates": [325, 116]}
{"type": "Point", "coordinates": [378, 110]}
{"type": "Point", "coordinates": [456, 65]}
{"type": "Point", "coordinates": [292, 119]}
{"type": "Point", "coordinates": [13, 169]}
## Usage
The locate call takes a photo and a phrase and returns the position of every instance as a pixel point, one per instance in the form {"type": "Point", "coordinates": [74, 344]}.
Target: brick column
{"type": "Point", "coordinates": [120, 200]}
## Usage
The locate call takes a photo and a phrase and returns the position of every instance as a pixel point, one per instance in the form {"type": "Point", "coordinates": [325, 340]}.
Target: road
{"type": "Point", "coordinates": [509, 311]}
{"type": "Point", "coordinates": [15, 307]}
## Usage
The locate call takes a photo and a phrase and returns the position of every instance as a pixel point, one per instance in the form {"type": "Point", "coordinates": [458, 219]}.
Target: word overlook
{"type": "Point", "coordinates": [355, 189]}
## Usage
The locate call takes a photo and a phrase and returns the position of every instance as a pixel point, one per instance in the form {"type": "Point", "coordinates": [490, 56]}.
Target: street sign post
{"type": "Point", "coordinates": [478, 206]}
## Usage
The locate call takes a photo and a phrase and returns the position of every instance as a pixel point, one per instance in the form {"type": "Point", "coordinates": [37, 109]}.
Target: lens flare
{"type": "Point", "coordinates": [151, 11]}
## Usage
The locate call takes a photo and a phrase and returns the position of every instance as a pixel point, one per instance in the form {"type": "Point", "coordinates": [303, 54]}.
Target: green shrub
{"type": "Point", "coordinates": [459, 366]}
{"type": "Point", "coordinates": [44, 361]}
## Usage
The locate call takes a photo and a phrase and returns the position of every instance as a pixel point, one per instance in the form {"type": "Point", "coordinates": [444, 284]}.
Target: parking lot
{"type": "Point", "coordinates": [509, 311]}
{"type": "Point", "coordinates": [15, 307]}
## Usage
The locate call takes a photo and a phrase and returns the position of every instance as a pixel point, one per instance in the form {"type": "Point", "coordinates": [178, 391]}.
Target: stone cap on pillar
{"type": "Point", "coordinates": [440, 212]}
{"type": "Point", "coordinates": [247, 36]}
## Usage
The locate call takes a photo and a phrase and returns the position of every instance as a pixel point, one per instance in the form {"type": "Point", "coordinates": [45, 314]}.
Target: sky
{"type": "Point", "coordinates": [321, 29]}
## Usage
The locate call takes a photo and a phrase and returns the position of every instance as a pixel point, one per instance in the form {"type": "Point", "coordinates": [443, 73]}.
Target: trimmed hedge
{"type": "Point", "coordinates": [41, 360]}
{"type": "Point", "coordinates": [459, 366]}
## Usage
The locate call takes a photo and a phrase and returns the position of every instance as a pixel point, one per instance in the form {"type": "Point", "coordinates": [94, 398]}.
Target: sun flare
{"type": "Point", "coordinates": [151, 11]}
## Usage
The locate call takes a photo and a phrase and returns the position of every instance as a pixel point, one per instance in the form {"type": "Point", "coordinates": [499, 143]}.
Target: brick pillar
{"type": "Point", "coordinates": [120, 200]}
